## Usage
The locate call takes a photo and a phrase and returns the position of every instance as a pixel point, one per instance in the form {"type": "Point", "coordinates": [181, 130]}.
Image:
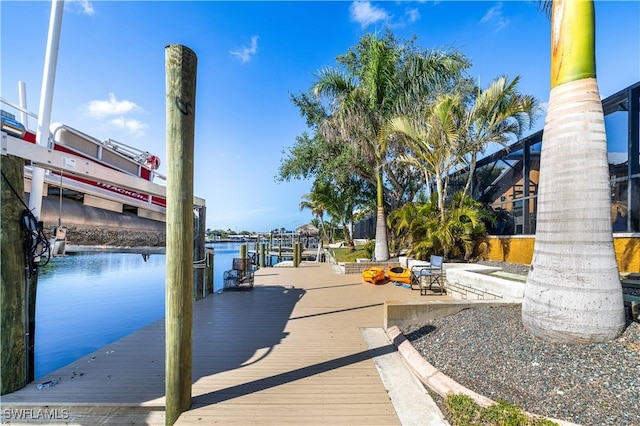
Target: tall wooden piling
{"type": "Point", "coordinates": [210, 268]}
{"type": "Point", "coordinates": [180, 67]}
{"type": "Point", "coordinates": [13, 297]}
{"type": "Point", "coordinates": [295, 254]}
{"type": "Point", "coordinates": [199, 253]}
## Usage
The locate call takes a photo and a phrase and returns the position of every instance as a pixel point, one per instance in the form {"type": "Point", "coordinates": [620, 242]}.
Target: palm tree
{"type": "Point", "coordinates": [366, 98]}
{"type": "Point", "coordinates": [338, 203]}
{"type": "Point", "coordinates": [494, 115]}
{"type": "Point", "coordinates": [309, 201]}
{"type": "Point", "coordinates": [573, 293]}
{"type": "Point", "coordinates": [433, 140]}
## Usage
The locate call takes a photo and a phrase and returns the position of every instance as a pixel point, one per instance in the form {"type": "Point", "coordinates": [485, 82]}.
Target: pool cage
{"type": "Point", "coordinates": [508, 179]}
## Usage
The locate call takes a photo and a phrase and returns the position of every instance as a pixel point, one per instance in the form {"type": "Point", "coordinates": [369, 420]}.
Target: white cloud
{"type": "Point", "coordinates": [84, 7]}
{"type": "Point", "coordinates": [101, 109]}
{"type": "Point", "coordinates": [131, 125]}
{"type": "Point", "coordinates": [542, 107]}
{"type": "Point", "coordinates": [116, 113]}
{"type": "Point", "coordinates": [246, 53]}
{"type": "Point", "coordinates": [366, 14]}
{"type": "Point", "coordinates": [495, 16]}
{"type": "Point", "coordinates": [412, 15]}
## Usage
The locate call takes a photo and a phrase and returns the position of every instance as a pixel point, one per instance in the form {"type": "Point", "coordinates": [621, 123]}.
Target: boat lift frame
{"type": "Point", "coordinates": [71, 164]}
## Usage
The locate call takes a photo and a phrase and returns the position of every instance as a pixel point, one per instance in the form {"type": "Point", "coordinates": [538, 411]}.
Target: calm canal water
{"type": "Point", "coordinates": [87, 301]}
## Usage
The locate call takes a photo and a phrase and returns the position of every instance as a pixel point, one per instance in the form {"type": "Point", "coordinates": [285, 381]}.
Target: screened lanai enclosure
{"type": "Point", "coordinates": [508, 179]}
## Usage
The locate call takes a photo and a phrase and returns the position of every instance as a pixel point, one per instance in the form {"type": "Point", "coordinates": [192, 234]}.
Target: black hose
{"type": "Point", "coordinates": [36, 243]}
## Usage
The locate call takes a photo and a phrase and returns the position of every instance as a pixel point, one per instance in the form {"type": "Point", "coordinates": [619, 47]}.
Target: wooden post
{"type": "Point", "coordinates": [210, 267]}
{"type": "Point", "coordinates": [280, 248]}
{"type": "Point", "coordinates": [295, 255]}
{"type": "Point", "coordinates": [14, 365]}
{"type": "Point", "coordinates": [199, 253]}
{"type": "Point", "coordinates": [300, 250]}
{"type": "Point", "coordinates": [180, 64]}
{"type": "Point", "coordinates": [262, 255]}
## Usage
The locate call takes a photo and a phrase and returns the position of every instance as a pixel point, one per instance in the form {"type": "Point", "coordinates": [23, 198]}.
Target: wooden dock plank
{"type": "Point", "coordinates": [288, 352]}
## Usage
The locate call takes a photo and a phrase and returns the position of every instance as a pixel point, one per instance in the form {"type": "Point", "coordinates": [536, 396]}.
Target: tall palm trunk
{"type": "Point", "coordinates": [573, 292]}
{"type": "Point", "coordinates": [381, 252]}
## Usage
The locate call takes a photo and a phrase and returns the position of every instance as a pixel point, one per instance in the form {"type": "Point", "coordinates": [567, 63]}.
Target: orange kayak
{"type": "Point", "coordinates": [399, 274]}
{"type": "Point", "coordinates": [373, 275]}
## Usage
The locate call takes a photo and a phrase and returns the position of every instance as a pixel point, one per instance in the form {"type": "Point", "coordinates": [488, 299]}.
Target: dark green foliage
{"type": "Point", "coordinates": [420, 228]}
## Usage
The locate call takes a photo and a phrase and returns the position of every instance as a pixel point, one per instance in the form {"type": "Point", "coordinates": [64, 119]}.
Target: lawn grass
{"type": "Point", "coordinates": [346, 254]}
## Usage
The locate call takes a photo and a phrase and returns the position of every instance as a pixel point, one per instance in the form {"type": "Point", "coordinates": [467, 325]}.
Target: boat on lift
{"type": "Point", "coordinates": [108, 153]}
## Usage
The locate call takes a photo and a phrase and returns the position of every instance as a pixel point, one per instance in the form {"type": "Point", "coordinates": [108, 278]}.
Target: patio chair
{"type": "Point", "coordinates": [425, 276]}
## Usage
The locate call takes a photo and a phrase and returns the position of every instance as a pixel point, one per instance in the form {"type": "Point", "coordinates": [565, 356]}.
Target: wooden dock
{"type": "Point", "coordinates": [288, 352]}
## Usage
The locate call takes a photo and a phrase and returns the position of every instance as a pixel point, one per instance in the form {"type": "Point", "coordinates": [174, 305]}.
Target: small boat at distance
{"type": "Point", "coordinates": [373, 275]}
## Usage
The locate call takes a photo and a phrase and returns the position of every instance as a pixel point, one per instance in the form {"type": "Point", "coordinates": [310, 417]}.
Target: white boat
{"type": "Point", "coordinates": [109, 153]}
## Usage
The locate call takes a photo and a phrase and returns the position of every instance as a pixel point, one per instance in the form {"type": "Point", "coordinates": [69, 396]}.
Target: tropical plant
{"type": "Point", "coordinates": [310, 201]}
{"type": "Point", "coordinates": [426, 230]}
{"type": "Point", "coordinates": [347, 107]}
{"type": "Point", "coordinates": [433, 140]}
{"type": "Point", "coordinates": [369, 248]}
{"type": "Point", "coordinates": [465, 223]}
{"type": "Point", "coordinates": [339, 203]}
{"type": "Point", "coordinates": [364, 100]}
{"type": "Point", "coordinates": [412, 226]}
{"type": "Point", "coordinates": [573, 292]}
{"type": "Point", "coordinates": [493, 115]}
{"type": "Point", "coordinates": [401, 222]}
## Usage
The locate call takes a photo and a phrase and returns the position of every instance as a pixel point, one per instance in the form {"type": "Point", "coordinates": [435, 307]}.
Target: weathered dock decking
{"type": "Point", "coordinates": [290, 351]}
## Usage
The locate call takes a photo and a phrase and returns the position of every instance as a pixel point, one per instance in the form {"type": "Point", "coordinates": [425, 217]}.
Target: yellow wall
{"type": "Point", "coordinates": [519, 249]}
{"type": "Point", "coordinates": [627, 253]}
{"type": "Point", "coordinates": [513, 249]}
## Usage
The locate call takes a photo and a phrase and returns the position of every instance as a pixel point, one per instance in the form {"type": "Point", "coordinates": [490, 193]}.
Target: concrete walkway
{"type": "Point", "coordinates": [305, 346]}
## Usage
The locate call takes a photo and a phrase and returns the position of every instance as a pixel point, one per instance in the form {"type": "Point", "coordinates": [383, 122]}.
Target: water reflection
{"type": "Point", "coordinates": [86, 301]}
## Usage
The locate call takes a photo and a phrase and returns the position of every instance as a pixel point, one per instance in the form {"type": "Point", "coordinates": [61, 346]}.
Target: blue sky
{"type": "Point", "coordinates": [251, 57]}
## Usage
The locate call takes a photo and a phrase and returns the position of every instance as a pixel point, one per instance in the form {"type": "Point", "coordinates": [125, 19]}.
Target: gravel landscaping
{"type": "Point", "coordinates": [489, 351]}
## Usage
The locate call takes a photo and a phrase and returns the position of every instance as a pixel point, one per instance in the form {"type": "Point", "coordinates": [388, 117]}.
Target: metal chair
{"type": "Point", "coordinates": [425, 276]}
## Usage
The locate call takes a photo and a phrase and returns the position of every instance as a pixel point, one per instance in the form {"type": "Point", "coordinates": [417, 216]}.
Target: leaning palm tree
{"type": "Point", "coordinates": [339, 203]}
{"type": "Point", "coordinates": [573, 293]}
{"type": "Point", "coordinates": [433, 140]}
{"type": "Point", "coordinates": [495, 114]}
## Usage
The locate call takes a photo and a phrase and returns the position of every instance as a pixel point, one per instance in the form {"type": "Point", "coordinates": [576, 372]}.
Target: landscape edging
{"type": "Point", "coordinates": [436, 380]}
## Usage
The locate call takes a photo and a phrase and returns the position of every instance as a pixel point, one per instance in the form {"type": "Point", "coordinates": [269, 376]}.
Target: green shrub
{"type": "Point", "coordinates": [369, 248]}
{"type": "Point", "coordinates": [465, 411]}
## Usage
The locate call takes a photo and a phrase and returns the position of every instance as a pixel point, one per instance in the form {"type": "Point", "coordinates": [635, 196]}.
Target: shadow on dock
{"type": "Point", "coordinates": [290, 351]}
{"type": "Point", "coordinates": [231, 331]}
